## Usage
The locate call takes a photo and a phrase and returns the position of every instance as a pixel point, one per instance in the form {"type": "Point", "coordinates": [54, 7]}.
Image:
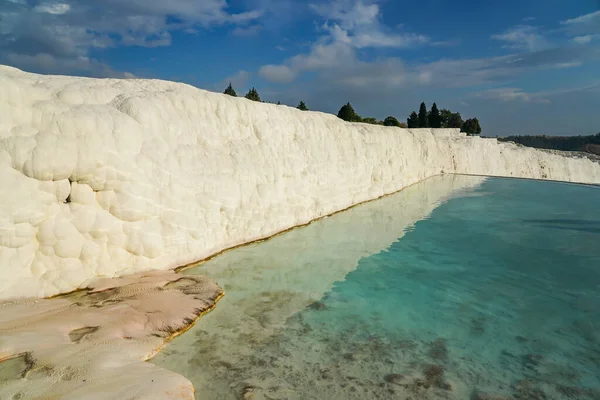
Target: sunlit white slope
{"type": "Point", "coordinates": [109, 177]}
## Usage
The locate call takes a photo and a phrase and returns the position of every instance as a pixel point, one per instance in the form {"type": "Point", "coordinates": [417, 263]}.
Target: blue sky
{"type": "Point", "coordinates": [521, 67]}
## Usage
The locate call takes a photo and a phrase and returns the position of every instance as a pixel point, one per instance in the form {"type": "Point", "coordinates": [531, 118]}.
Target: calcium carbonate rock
{"type": "Point", "coordinates": [106, 177]}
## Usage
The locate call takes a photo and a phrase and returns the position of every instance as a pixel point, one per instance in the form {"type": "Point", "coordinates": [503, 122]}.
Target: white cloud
{"type": "Point", "coordinates": [584, 19]}
{"type": "Point", "coordinates": [53, 8]}
{"type": "Point", "coordinates": [238, 80]}
{"type": "Point", "coordinates": [512, 94]}
{"type": "Point", "coordinates": [357, 23]}
{"type": "Point", "coordinates": [585, 39]}
{"type": "Point", "coordinates": [571, 64]}
{"type": "Point", "coordinates": [522, 37]}
{"type": "Point", "coordinates": [277, 73]}
{"type": "Point", "coordinates": [583, 25]}
{"type": "Point", "coordinates": [251, 30]}
{"type": "Point", "coordinates": [69, 29]}
{"type": "Point", "coordinates": [55, 65]}
{"type": "Point", "coordinates": [350, 25]}
{"type": "Point", "coordinates": [508, 94]}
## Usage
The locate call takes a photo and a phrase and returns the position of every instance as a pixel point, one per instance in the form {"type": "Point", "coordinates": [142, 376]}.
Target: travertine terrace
{"type": "Point", "coordinates": [105, 177]}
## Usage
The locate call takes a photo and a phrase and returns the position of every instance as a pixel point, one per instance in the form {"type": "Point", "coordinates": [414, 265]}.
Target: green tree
{"type": "Point", "coordinates": [403, 125]}
{"type": "Point", "coordinates": [230, 91]}
{"type": "Point", "coordinates": [444, 117]}
{"type": "Point", "coordinates": [347, 113]}
{"type": "Point", "coordinates": [413, 120]}
{"type": "Point", "coordinates": [278, 103]}
{"type": "Point", "coordinates": [471, 127]}
{"type": "Point", "coordinates": [454, 121]}
{"type": "Point", "coordinates": [435, 120]}
{"type": "Point", "coordinates": [370, 120]}
{"type": "Point", "coordinates": [423, 117]}
{"type": "Point", "coordinates": [391, 121]}
{"type": "Point", "coordinates": [448, 119]}
{"type": "Point", "coordinates": [253, 95]}
{"type": "Point", "coordinates": [302, 106]}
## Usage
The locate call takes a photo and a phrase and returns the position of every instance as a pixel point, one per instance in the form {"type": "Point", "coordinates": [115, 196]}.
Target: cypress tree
{"type": "Point", "coordinates": [435, 120]}
{"type": "Point", "coordinates": [413, 120]}
{"type": "Point", "coordinates": [230, 91]}
{"type": "Point", "coordinates": [423, 117]}
{"type": "Point", "coordinates": [302, 106]}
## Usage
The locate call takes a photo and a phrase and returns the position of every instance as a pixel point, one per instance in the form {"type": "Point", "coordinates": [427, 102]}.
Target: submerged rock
{"type": "Point", "coordinates": [438, 350]}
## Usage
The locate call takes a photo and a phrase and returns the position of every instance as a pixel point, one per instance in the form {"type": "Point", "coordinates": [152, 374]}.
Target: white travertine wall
{"type": "Point", "coordinates": [102, 178]}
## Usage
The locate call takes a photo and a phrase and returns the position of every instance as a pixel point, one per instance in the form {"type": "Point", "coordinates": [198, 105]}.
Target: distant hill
{"type": "Point", "coordinates": [588, 144]}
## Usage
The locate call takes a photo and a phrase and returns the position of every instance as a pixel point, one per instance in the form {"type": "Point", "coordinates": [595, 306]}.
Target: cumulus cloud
{"type": "Point", "coordinates": [358, 24]}
{"type": "Point", "coordinates": [349, 26]}
{"type": "Point", "coordinates": [67, 30]}
{"type": "Point", "coordinates": [277, 73]}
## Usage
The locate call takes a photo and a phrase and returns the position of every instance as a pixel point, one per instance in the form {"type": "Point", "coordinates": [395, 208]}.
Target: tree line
{"type": "Point", "coordinates": [589, 143]}
{"type": "Point", "coordinates": [443, 118]}
{"type": "Point", "coordinates": [433, 118]}
{"type": "Point", "coordinates": [254, 96]}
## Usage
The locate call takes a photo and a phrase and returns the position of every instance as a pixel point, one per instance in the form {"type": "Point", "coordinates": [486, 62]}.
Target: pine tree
{"type": "Point", "coordinates": [230, 91]}
{"type": "Point", "coordinates": [471, 127]}
{"type": "Point", "coordinates": [391, 121]}
{"type": "Point", "coordinates": [435, 120]}
{"type": "Point", "coordinates": [278, 103]}
{"type": "Point", "coordinates": [302, 106]}
{"type": "Point", "coordinates": [347, 113]}
{"type": "Point", "coordinates": [413, 120]}
{"type": "Point", "coordinates": [423, 117]}
{"type": "Point", "coordinates": [253, 95]}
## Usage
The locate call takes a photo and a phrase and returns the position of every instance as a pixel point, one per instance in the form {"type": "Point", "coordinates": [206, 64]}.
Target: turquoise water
{"type": "Point", "coordinates": [496, 292]}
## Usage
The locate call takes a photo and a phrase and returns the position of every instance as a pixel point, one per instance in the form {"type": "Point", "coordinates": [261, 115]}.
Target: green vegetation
{"type": "Point", "coordinates": [435, 119]}
{"type": "Point", "coordinates": [424, 119]}
{"type": "Point", "coordinates": [413, 120]}
{"type": "Point", "coordinates": [448, 119]}
{"type": "Point", "coordinates": [347, 113]}
{"type": "Point", "coordinates": [590, 144]}
{"type": "Point", "coordinates": [253, 95]}
{"type": "Point", "coordinates": [471, 127]}
{"type": "Point", "coordinates": [391, 121]}
{"type": "Point", "coordinates": [442, 119]}
{"type": "Point", "coordinates": [423, 116]}
{"type": "Point", "coordinates": [230, 91]}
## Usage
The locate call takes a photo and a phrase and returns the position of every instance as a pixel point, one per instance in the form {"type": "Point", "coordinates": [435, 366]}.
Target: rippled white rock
{"type": "Point", "coordinates": [102, 178]}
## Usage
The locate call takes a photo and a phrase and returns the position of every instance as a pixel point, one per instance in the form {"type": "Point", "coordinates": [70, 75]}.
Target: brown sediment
{"type": "Point", "coordinates": [187, 327]}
